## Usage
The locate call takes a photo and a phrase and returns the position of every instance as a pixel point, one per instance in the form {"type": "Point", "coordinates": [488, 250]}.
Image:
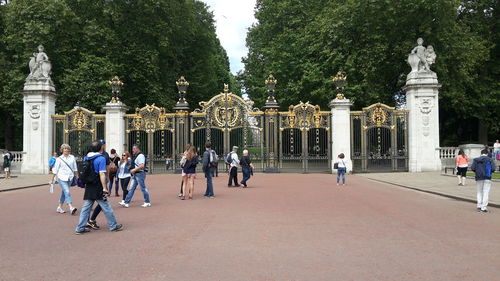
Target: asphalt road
{"type": "Point", "coordinates": [283, 227]}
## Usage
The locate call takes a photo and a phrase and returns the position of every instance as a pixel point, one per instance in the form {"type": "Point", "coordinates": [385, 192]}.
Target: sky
{"type": "Point", "coordinates": [232, 20]}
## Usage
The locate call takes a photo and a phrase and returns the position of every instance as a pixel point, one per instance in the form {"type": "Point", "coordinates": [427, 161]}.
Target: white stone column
{"type": "Point", "coordinates": [115, 126]}
{"type": "Point", "coordinates": [422, 89]}
{"type": "Point", "coordinates": [39, 106]}
{"type": "Point", "coordinates": [341, 130]}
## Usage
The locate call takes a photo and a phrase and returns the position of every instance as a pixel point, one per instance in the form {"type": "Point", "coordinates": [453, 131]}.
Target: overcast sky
{"type": "Point", "coordinates": [233, 18]}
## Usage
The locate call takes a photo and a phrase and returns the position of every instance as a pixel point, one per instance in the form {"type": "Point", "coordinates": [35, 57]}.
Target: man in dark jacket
{"type": "Point", "coordinates": [483, 166]}
{"type": "Point", "coordinates": [208, 156]}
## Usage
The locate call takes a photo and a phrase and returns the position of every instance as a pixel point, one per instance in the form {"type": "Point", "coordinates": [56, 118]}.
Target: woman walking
{"type": "Point", "coordinates": [246, 167]}
{"type": "Point", "coordinates": [113, 170]}
{"type": "Point", "coordinates": [341, 169]}
{"type": "Point", "coordinates": [124, 173]}
{"type": "Point", "coordinates": [462, 163]}
{"type": "Point", "coordinates": [66, 171]}
{"type": "Point", "coordinates": [189, 172]}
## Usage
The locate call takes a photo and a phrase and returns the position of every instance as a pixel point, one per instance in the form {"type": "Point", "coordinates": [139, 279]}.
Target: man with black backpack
{"type": "Point", "coordinates": [483, 166]}
{"type": "Point", "coordinates": [93, 175]}
{"type": "Point", "coordinates": [210, 161]}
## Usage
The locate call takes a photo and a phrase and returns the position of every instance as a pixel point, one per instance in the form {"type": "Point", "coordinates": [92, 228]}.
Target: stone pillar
{"type": "Point", "coordinates": [115, 126]}
{"type": "Point", "coordinates": [341, 130]}
{"type": "Point", "coordinates": [422, 89]}
{"type": "Point", "coordinates": [39, 106]}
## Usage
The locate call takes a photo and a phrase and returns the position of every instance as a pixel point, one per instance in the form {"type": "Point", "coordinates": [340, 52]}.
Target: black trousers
{"type": "Point", "coordinates": [233, 175]}
{"type": "Point", "coordinates": [124, 183]}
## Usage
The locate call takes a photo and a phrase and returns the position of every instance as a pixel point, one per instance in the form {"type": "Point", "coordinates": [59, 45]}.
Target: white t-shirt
{"type": "Point", "coordinates": [236, 161]}
{"type": "Point", "coordinates": [341, 163]}
{"type": "Point", "coordinates": [496, 146]}
{"type": "Point", "coordinates": [140, 159]}
{"type": "Point", "coordinates": [62, 170]}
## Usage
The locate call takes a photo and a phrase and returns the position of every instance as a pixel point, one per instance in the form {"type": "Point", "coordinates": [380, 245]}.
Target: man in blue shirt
{"type": "Point", "coordinates": [138, 177]}
{"type": "Point", "coordinates": [97, 192]}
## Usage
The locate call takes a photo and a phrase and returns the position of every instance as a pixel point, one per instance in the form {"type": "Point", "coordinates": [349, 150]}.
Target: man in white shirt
{"type": "Point", "coordinates": [234, 164]}
{"type": "Point", "coordinates": [139, 176]}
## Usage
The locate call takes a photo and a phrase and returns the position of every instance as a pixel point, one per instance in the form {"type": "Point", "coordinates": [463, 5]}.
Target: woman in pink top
{"type": "Point", "coordinates": [462, 166]}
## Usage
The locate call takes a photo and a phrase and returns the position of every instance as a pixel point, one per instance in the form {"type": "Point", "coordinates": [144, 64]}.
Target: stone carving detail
{"type": "Point", "coordinates": [421, 58]}
{"type": "Point", "coordinates": [34, 111]}
{"type": "Point", "coordinates": [426, 105]}
{"type": "Point", "coordinates": [40, 66]}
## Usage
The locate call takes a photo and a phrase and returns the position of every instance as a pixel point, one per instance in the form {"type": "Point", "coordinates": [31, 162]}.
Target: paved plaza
{"type": "Point", "coordinates": [283, 227]}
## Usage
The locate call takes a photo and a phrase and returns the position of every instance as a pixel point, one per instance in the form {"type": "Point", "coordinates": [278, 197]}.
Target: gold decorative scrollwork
{"type": "Point", "coordinates": [305, 116]}
{"type": "Point", "coordinates": [150, 119]}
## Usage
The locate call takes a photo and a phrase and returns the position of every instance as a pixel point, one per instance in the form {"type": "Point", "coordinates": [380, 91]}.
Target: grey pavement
{"type": "Point", "coordinates": [23, 181]}
{"type": "Point", "coordinates": [437, 183]}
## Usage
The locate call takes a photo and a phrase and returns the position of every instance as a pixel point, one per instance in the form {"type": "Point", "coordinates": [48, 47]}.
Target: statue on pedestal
{"type": "Point", "coordinates": [421, 58]}
{"type": "Point", "coordinates": [40, 66]}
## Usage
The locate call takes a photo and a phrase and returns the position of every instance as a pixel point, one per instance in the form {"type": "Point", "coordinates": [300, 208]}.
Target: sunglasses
{"type": "Point", "coordinates": [124, 155]}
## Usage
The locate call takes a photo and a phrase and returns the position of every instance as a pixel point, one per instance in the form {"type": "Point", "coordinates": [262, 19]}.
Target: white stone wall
{"type": "Point", "coordinates": [341, 130]}
{"type": "Point", "coordinates": [115, 127]}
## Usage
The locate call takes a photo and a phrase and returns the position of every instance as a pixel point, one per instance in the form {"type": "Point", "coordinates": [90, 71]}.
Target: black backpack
{"type": "Point", "coordinates": [88, 175]}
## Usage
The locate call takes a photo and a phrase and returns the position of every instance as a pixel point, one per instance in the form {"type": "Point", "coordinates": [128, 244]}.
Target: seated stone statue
{"type": "Point", "coordinates": [40, 65]}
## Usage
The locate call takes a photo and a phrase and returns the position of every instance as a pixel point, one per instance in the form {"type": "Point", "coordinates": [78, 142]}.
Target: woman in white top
{"type": "Point", "coordinates": [65, 169]}
{"type": "Point", "coordinates": [341, 168]}
{"type": "Point", "coordinates": [124, 173]}
{"type": "Point", "coordinates": [496, 149]}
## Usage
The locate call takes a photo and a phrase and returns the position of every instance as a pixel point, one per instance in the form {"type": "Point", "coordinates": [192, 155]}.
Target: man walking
{"type": "Point", "coordinates": [234, 163]}
{"type": "Point", "coordinates": [96, 189]}
{"type": "Point", "coordinates": [139, 176]}
{"type": "Point", "coordinates": [483, 166]}
{"type": "Point", "coordinates": [209, 159]}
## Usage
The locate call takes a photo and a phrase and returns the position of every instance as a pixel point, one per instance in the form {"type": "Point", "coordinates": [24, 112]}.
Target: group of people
{"type": "Point", "coordinates": [483, 167]}
{"type": "Point", "coordinates": [209, 161]}
{"type": "Point", "coordinates": [98, 174]}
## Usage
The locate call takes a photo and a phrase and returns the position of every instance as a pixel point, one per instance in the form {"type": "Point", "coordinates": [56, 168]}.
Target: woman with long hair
{"type": "Point", "coordinates": [342, 167]}
{"type": "Point", "coordinates": [462, 162]}
{"type": "Point", "coordinates": [182, 162]}
{"type": "Point", "coordinates": [124, 173]}
{"type": "Point", "coordinates": [189, 172]}
{"type": "Point", "coordinates": [65, 169]}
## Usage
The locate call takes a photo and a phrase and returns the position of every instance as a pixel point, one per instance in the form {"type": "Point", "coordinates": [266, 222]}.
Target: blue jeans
{"type": "Point", "coordinates": [341, 172]}
{"type": "Point", "coordinates": [210, 185]}
{"type": "Point", "coordinates": [106, 208]}
{"type": "Point", "coordinates": [246, 175]}
{"type": "Point", "coordinates": [65, 196]}
{"type": "Point", "coordinates": [139, 178]}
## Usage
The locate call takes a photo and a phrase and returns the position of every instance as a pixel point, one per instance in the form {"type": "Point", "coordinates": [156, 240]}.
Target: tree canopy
{"type": "Point", "coordinates": [304, 43]}
{"type": "Point", "coordinates": [148, 44]}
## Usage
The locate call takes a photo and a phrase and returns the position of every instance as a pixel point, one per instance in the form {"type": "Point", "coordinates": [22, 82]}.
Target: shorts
{"type": "Point", "coordinates": [6, 169]}
{"type": "Point", "coordinates": [462, 171]}
{"type": "Point", "coordinates": [191, 175]}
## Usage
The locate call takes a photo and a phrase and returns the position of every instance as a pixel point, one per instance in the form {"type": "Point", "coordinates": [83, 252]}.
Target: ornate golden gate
{"type": "Point", "coordinates": [153, 130]}
{"type": "Point", "coordinates": [78, 128]}
{"type": "Point", "coordinates": [227, 120]}
{"type": "Point", "coordinates": [379, 139]}
{"type": "Point", "coordinates": [304, 139]}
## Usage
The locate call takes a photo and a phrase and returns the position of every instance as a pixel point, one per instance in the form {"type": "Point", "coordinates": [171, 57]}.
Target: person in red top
{"type": "Point", "coordinates": [462, 163]}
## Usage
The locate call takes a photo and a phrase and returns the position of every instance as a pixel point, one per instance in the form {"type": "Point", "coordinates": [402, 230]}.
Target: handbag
{"type": "Point", "coordinates": [336, 165]}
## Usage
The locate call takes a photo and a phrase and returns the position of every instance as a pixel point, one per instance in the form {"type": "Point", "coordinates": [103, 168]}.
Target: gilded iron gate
{"type": "Point", "coordinates": [227, 120]}
{"type": "Point", "coordinates": [304, 139]}
{"type": "Point", "coordinates": [78, 128]}
{"type": "Point", "coordinates": [379, 139]}
{"type": "Point", "coordinates": [153, 130]}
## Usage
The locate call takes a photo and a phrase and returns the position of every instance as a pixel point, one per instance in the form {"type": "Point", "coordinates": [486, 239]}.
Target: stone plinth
{"type": "Point", "coordinates": [115, 126]}
{"type": "Point", "coordinates": [341, 130]}
{"type": "Point", "coordinates": [422, 90]}
{"type": "Point", "coordinates": [39, 106]}
{"type": "Point", "coordinates": [472, 150]}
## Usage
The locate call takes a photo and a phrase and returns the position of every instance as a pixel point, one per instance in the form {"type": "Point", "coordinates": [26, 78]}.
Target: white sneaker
{"type": "Point", "coordinates": [60, 210]}
{"type": "Point", "coordinates": [145, 205]}
{"type": "Point", "coordinates": [123, 204]}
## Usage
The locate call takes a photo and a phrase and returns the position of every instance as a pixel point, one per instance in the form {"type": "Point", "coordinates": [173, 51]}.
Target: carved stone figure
{"type": "Point", "coordinates": [40, 65]}
{"type": "Point", "coordinates": [421, 57]}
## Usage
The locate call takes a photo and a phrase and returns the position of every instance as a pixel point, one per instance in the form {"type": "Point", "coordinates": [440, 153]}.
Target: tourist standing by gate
{"type": "Point", "coordinates": [234, 163]}
{"type": "Point", "coordinates": [483, 166]}
{"type": "Point", "coordinates": [462, 163]}
{"type": "Point", "coordinates": [209, 163]}
{"type": "Point", "coordinates": [496, 149]}
{"type": "Point", "coordinates": [113, 169]}
{"type": "Point", "coordinates": [341, 168]}
{"type": "Point", "coordinates": [189, 172]}
{"type": "Point", "coordinates": [124, 173]}
{"type": "Point", "coordinates": [246, 167]}
{"type": "Point", "coordinates": [139, 175]}
{"type": "Point", "coordinates": [7, 163]}
{"type": "Point", "coordinates": [66, 171]}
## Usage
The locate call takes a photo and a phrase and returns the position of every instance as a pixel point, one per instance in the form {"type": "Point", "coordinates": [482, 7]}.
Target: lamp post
{"type": "Point", "coordinates": [339, 81]}
{"type": "Point", "coordinates": [182, 85]}
{"type": "Point", "coordinates": [116, 86]}
{"type": "Point", "coordinates": [271, 84]}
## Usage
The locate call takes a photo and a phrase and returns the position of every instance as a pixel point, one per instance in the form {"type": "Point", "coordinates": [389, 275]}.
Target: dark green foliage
{"type": "Point", "coordinates": [148, 44]}
{"type": "Point", "coordinates": [304, 43]}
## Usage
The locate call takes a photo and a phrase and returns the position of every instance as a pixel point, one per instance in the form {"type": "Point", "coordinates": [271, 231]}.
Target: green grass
{"type": "Point", "coordinates": [495, 176]}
